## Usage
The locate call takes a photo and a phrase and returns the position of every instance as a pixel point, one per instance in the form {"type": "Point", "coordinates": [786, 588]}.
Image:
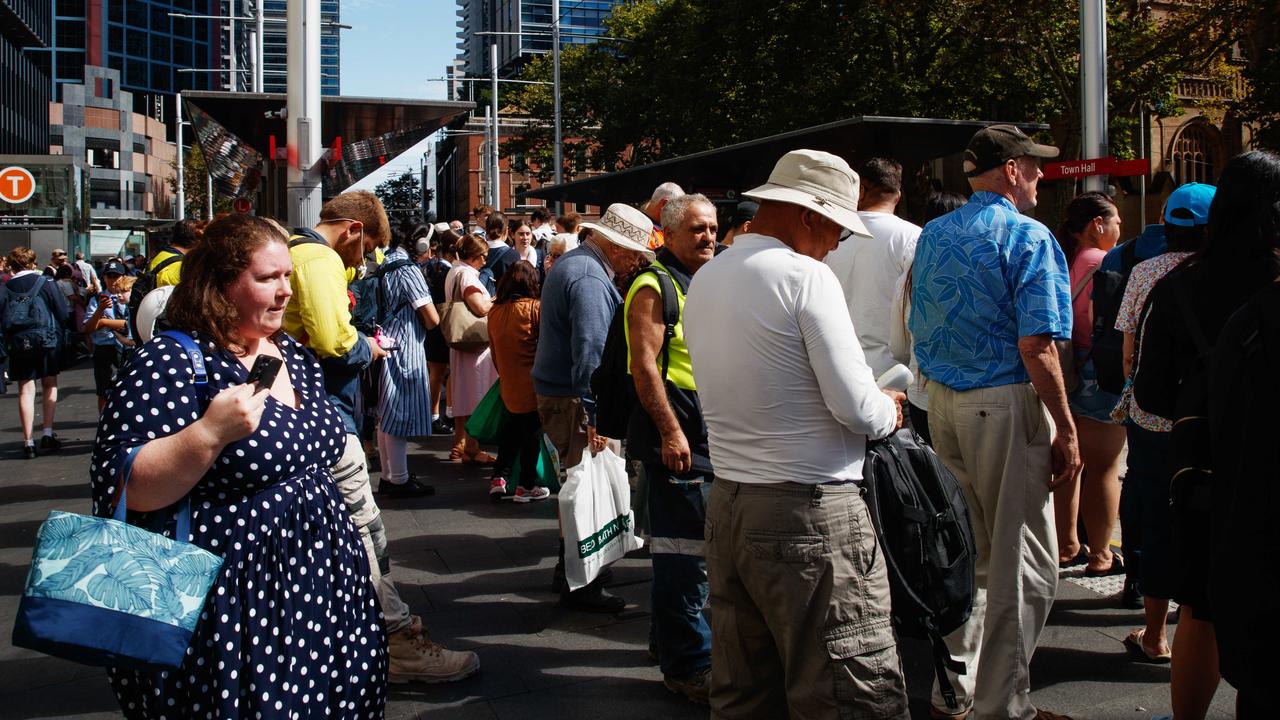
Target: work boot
{"type": "Point", "coordinates": [694, 688]}
{"type": "Point", "coordinates": [592, 598]}
{"type": "Point", "coordinates": [560, 585]}
{"type": "Point", "coordinates": [415, 658]}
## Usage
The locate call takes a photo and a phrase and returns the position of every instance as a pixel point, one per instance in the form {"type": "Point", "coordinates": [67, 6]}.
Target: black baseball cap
{"type": "Point", "coordinates": [114, 268]}
{"type": "Point", "coordinates": [744, 212]}
{"type": "Point", "coordinates": [993, 145]}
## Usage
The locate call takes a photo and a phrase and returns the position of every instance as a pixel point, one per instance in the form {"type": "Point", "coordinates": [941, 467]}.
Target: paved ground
{"type": "Point", "coordinates": [479, 574]}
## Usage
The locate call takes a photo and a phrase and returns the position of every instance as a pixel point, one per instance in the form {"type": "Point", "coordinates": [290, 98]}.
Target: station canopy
{"type": "Point", "coordinates": [727, 171]}
{"type": "Point", "coordinates": [372, 131]}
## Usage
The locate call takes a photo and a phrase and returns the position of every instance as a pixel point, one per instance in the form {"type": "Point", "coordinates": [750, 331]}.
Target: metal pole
{"type": "Point", "coordinates": [493, 105]}
{"type": "Point", "coordinates": [1093, 86]}
{"type": "Point", "coordinates": [257, 70]}
{"type": "Point", "coordinates": [304, 112]}
{"type": "Point", "coordinates": [232, 45]}
{"type": "Point", "coordinates": [181, 212]}
{"type": "Point", "coordinates": [1142, 153]}
{"type": "Point", "coordinates": [208, 197]}
{"type": "Point", "coordinates": [555, 90]}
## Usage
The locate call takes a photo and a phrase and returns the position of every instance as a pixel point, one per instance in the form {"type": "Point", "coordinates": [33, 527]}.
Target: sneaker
{"type": "Point", "coordinates": [29, 452]}
{"type": "Point", "coordinates": [415, 658]}
{"type": "Point", "coordinates": [408, 489]}
{"type": "Point", "coordinates": [50, 442]}
{"type": "Point", "coordinates": [694, 688]}
{"type": "Point", "coordinates": [526, 496]}
{"type": "Point", "coordinates": [497, 489]}
{"type": "Point", "coordinates": [440, 426]}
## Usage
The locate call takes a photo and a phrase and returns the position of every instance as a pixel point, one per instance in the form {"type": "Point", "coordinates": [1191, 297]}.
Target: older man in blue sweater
{"type": "Point", "coordinates": [579, 300]}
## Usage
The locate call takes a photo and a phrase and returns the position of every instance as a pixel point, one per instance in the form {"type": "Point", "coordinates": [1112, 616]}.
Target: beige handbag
{"type": "Point", "coordinates": [463, 330]}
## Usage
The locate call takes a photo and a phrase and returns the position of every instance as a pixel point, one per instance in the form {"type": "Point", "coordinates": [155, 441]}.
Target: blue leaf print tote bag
{"type": "Point", "coordinates": [103, 592]}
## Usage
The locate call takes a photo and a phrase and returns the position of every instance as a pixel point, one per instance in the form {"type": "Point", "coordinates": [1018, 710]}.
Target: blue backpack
{"type": "Point", "coordinates": [28, 322]}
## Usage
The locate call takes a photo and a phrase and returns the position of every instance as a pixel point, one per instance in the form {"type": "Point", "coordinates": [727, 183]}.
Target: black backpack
{"type": "Point", "coordinates": [369, 292]}
{"type": "Point", "coordinates": [611, 383]}
{"type": "Point", "coordinates": [28, 320]}
{"type": "Point", "coordinates": [922, 523]}
{"type": "Point", "coordinates": [1108, 342]}
{"type": "Point", "coordinates": [144, 283]}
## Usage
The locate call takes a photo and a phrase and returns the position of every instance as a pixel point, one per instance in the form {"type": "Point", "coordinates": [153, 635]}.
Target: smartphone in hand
{"type": "Point", "coordinates": [264, 371]}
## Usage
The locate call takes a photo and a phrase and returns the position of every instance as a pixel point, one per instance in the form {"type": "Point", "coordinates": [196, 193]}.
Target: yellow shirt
{"type": "Point", "coordinates": [319, 313]}
{"type": "Point", "coordinates": [171, 273]}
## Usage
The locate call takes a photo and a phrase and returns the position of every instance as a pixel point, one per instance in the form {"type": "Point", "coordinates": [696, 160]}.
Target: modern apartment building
{"type": "Point", "coordinates": [580, 20]}
{"type": "Point", "coordinates": [275, 49]}
{"type": "Point", "coordinates": [158, 47]}
{"type": "Point", "coordinates": [24, 81]}
{"type": "Point", "coordinates": [124, 153]}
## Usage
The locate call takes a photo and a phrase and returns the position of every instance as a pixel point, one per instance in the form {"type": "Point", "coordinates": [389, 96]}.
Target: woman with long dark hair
{"type": "Point", "coordinates": [513, 338]}
{"type": "Point", "coordinates": [1090, 228]}
{"type": "Point", "coordinates": [1243, 398]}
{"type": "Point", "coordinates": [1188, 309]}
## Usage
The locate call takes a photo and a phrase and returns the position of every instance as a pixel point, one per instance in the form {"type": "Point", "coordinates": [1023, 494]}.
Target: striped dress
{"type": "Point", "coordinates": [404, 405]}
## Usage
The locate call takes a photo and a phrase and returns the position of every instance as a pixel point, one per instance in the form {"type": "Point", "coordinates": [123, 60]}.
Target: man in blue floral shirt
{"type": "Point", "coordinates": [990, 295]}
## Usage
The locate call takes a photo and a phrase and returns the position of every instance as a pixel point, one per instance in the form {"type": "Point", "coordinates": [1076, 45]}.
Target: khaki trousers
{"type": "Point", "coordinates": [996, 442]}
{"type": "Point", "coordinates": [800, 621]}
{"type": "Point", "coordinates": [565, 423]}
{"type": "Point", "coordinates": [352, 476]}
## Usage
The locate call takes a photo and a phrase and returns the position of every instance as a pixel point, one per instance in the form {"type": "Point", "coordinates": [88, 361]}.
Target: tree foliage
{"type": "Point", "coordinates": [1260, 43]}
{"type": "Point", "coordinates": [195, 177]}
{"type": "Point", "coordinates": [402, 197]}
{"type": "Point", "coordinates": [690, 75]}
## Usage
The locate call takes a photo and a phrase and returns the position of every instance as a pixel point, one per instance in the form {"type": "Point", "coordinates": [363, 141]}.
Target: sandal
{"type": "Point", "coordinates": [1081, 558]}
{"type": "Point", "coordinates": [458, 452]}
{"type": "Point", "coordinates": [478, 457]}
{"type": "Point", "coordinates": [1138, 651]}
{"type": "Point", "coordinates": [1116, 567]}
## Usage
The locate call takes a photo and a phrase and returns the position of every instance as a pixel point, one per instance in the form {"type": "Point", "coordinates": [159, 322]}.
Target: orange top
{"type": "Point", "coordinates": [513, 342]}
{"type": "Point", "coordinates": [656, 238]}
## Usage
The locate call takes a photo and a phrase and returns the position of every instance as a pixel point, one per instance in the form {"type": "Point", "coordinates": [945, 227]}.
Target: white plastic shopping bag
{"type": "Point", "coordinates": [595, 510]}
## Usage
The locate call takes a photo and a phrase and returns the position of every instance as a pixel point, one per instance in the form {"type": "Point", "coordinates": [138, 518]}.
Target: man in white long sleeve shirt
{"type": "Point", "coordinates": [871, 268]}
{"type": "Point", "coordinates": [801, 592]}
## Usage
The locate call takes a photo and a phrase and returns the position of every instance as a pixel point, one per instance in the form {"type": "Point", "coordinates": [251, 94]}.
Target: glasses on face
{"type": "Point", "coordinates": [555, 256]}
{"type": "Point", "coordinates": [845, 234]}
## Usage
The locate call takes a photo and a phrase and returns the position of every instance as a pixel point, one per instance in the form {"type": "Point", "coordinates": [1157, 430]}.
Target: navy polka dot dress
{"type": "Point", "coordinates": [292, 627]}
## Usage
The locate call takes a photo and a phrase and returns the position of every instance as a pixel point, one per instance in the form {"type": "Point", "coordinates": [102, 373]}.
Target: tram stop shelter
{"type": "Point", "coordinates": [931, 152]}
{"type": "Point", "coordinates": [244, 138]}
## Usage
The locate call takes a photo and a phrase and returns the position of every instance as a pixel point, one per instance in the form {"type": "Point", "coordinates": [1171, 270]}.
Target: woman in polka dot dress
{"type": "Point", "coordinates": [292, 627]}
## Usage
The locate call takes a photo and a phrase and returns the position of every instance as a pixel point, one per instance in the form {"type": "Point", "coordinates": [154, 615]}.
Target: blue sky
{"type": "Point", "coordinates": [392, 50]}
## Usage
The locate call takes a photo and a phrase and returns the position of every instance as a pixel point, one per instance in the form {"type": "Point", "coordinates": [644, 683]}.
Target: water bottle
{"type": "Point", "coordinates": [898, 377]}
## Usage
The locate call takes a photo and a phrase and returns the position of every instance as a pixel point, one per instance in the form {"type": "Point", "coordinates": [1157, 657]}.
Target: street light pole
{"type": "Point", "coordinates": [261, 46]}
{"type": "Point", "coordinates": [555, 90]}
{"type": "Point", "coordinates": [1093, 86]}
{"type": "Point", "coordinates": [182, 190]}
{"type": "Point", "coordinates": [493, 111]}
{"type": "Point", "coordinates": [304, 194]}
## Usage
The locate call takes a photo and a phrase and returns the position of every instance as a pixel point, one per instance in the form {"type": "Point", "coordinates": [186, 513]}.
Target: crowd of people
{"type": "Point", "coordinates": [1037, 357]}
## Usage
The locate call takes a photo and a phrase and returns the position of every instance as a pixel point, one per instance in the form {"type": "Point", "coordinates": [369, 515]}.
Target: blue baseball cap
{"type": "Point", "coordinates": [1194, 198]}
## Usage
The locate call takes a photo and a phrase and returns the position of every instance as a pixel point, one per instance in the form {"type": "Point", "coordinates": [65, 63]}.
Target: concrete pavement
{"type": "Point", "coordinates": [479, 574]}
